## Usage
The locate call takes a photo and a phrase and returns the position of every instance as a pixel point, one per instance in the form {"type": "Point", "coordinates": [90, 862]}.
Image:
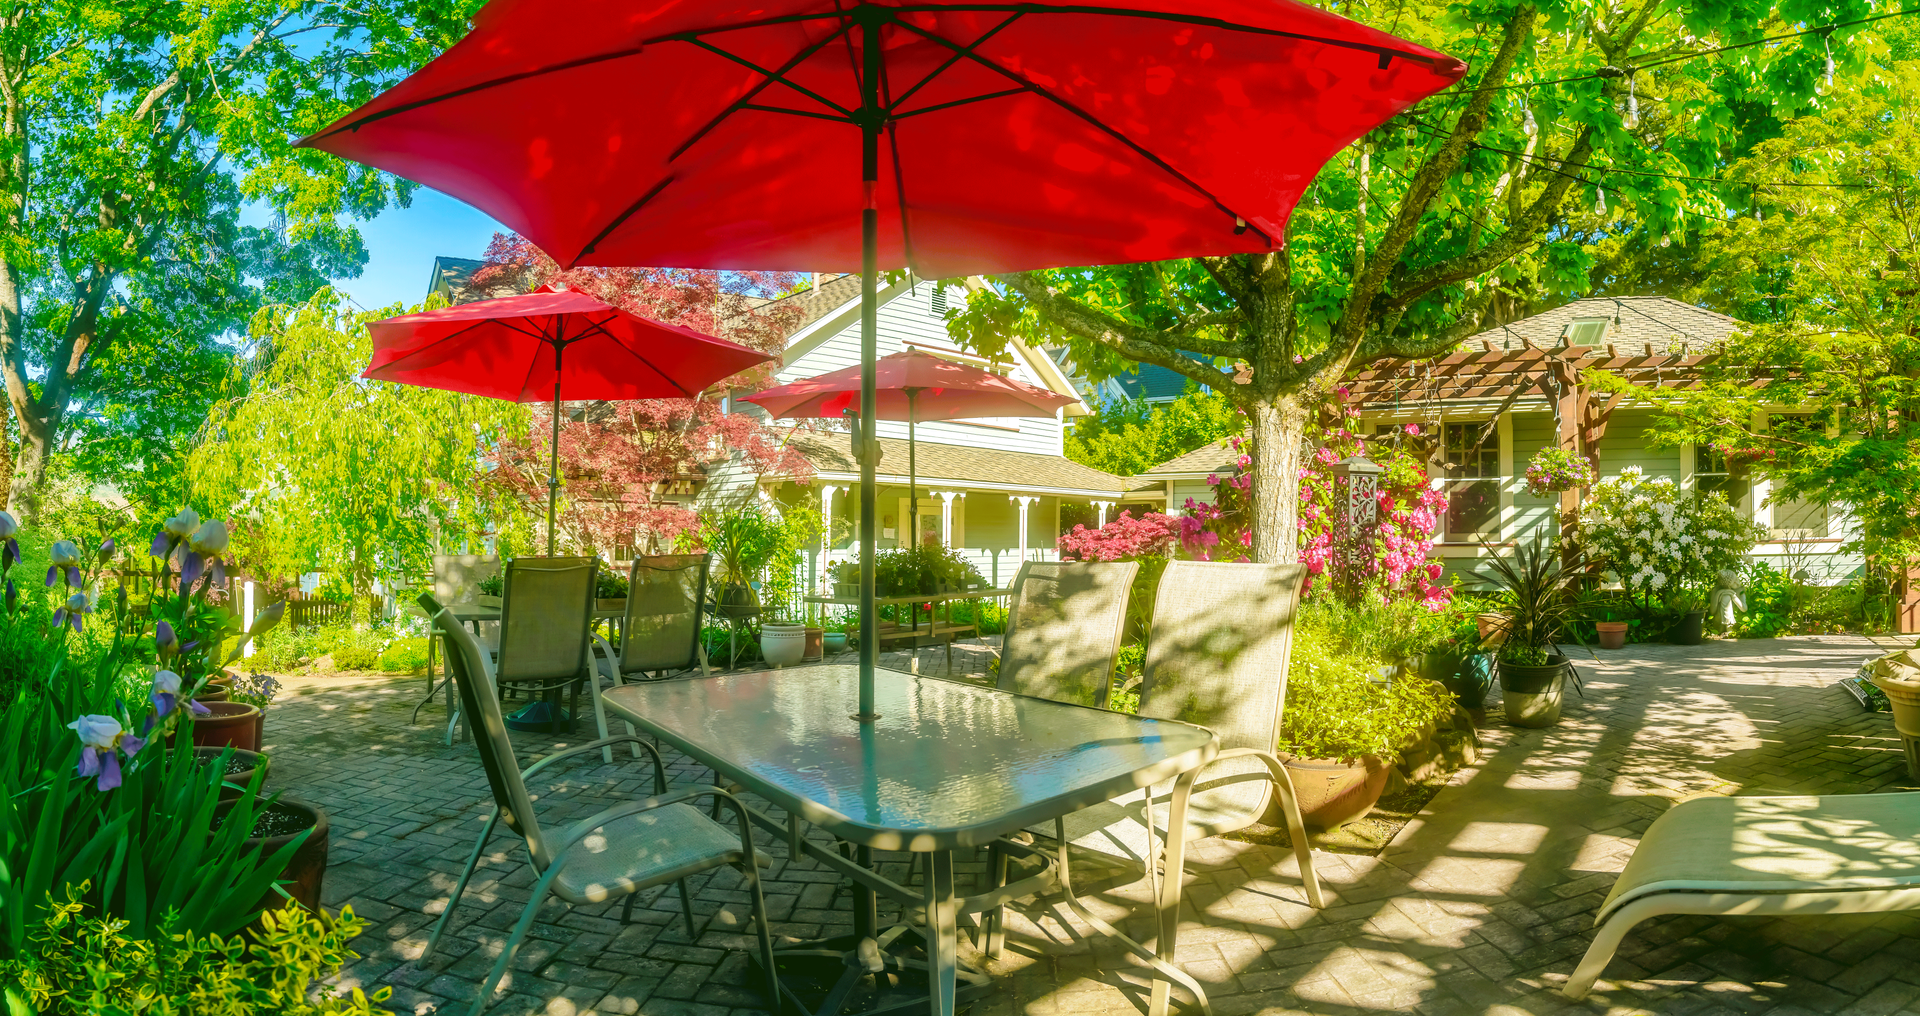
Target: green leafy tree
{"type": "Point", "coordinates": [1822, 395]}
{"type": "Point", "coordinates": [320, 468]}
{"type": "Point", "coordinates": [1575, 121]}
{"type": "Point", "coordinates": [1126, 438]}
{"type": "Point", "coordinates": [132, 136]}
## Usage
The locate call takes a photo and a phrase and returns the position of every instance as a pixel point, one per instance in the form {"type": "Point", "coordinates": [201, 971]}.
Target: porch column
{"type": "Point", "coordinates": [946, 515]}
{"type": "Point", "coordinates": [826, 534]}
{"type": "Point", "coordinates": [1100, 511]}
{"type": "Point", "coordinates": [1025, 503]}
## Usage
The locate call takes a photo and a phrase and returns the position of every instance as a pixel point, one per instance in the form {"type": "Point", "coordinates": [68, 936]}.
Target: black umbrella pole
{"type": "Point", "coordinates": [553, 450]}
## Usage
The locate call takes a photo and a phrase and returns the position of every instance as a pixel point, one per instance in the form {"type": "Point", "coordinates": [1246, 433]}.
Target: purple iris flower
{"type": "Point", "coordinates": [165, 642]}
{"type": "Point", "coordinates": [219, 572]}
{"type": "Point", "coordinates": [160, 544]}
{"type": "Point", "coordinates": [102, 742]}
{"type": "Point", "coordinates": [106, 550]}
{"type": "Point", "coordinates": [13, 596]}
{"type": "Point", "coordinates": [190, 569]}
{"type": "Point", "coordinates": [7, 560]}
{"type": "Point", "coordinates": [166, 692]}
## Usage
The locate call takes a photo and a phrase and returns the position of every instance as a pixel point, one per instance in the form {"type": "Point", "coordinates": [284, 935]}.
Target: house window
{"type": "Point", "coordinates": [1587, 331]}
{"type": "Point", "coordinates": [1712, 475]}
{"type": "Point", "coordinates": [1799, 519]}
{"type": "Point", "coordinates": [1472, 469]}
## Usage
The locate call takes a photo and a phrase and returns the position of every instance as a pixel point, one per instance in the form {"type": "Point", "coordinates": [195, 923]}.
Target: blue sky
{"type": "Point", "coordinates": [402, 243]}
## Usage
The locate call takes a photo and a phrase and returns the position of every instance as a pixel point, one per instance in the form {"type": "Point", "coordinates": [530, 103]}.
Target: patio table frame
{"type": "Point", "coordinates": [805, 715]}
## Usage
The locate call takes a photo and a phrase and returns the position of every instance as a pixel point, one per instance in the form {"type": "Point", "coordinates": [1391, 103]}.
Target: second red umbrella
{"type": "Point", "coordinates": [534, 346]}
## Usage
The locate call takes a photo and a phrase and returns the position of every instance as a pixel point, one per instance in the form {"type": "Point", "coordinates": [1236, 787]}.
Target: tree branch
{"type": "Point", "coordinates": [1136, 342]}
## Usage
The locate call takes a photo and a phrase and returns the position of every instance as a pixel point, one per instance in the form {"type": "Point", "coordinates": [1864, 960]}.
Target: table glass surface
{"type": "Point", "coordinates": [946, 765]}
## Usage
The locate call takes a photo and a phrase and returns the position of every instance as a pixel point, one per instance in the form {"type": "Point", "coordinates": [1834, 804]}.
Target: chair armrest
{"type": "Point", "coordinates": [1276, 769]}
{"type": "Point", "coordinates": [659, 767]}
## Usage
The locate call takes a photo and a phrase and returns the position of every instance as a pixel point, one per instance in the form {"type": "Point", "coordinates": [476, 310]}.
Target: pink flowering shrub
{"type": "Point", "coordinates": [1122, 539]}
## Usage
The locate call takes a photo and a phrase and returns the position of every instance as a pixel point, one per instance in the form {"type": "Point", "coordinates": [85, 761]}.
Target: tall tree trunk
{"type": "Point", "coordinates": [1279, 430]}
{"type": "Point", "coordinates": [29, 471]}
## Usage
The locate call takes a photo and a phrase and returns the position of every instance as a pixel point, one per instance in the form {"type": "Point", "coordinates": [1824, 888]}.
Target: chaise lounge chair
{"type": "Point", "coordinates": [1763, 856]}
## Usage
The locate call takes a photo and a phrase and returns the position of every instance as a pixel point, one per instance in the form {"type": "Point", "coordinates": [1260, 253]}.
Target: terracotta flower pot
{"type": "Point", "coordinates": [1898, 674]}
{"type": "Point", "coordinates": [235, 777]}
{"type": "Point", "coordinates": [1613, 634]}
{"type": "Point", "coordinates": [304, 874]}
{"type": "Point", "coordinates": [816, 645]}
{"type": "Point", "coordinates": [234, 723]}
{"type": "Point", "coordinates": [1332, 793]}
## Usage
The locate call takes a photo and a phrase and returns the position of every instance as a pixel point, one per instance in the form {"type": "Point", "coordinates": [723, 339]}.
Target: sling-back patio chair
{"type": "Point", "coordinates": [619, 852]}
{"type": "Point", "coordinates": [1064, 629]}
{"type": "Point", "coordinates": [546, 629]}
{"type": "Point", "coordinates": [456, 579]}
{"type": "Point", "coordinates": [660, 636]}
{"type": "Point", "coordinates": [1217, 654]}
{"type": "Point", "coordinates": [1763, 856]}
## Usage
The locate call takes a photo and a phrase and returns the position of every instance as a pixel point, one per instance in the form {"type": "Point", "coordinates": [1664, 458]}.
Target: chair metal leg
{"type": "Point", "coordinates": [460, 887]}
{"type": "Point", "coordinates": [1297, 832]}
{"type": "Point", "coordinates": [600, 720]}
{"type": "Point", "coordinates": [761, 926]}
{"type": "Point", "coordinates": [1168, 901]}
{"type": "Point", "coordinates": [520, 929]}
{"type": "Point", "coordinates": [686, 909]}
{"type": "Point", "coordinates": [626, 909]}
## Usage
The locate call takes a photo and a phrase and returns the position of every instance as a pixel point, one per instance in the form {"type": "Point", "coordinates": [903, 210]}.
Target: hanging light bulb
{"type": "Point", "coordinates": [1527, 123]}
{"type": "Point", "coordinates": [1826, 43]}
{"type": "Point", "coordinates": [1602, 192]}
{"type": "Point", "coordinates": [1632, 119]}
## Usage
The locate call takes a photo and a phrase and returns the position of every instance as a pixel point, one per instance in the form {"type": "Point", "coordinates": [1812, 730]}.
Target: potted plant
{"type": "Point", "coordinates": [228, 723]}
{"type": "Point", "coordinates": [258, 691]}
{"type": "Point", "coordinates": [1533, 590]}
{"type": "Point", "coordinates": [1341, 731]}
{"type": "Point", "coordinates": [782, 643]}
{"type": "Point", "coordinates": [276, 824]}
{"type": "Point", "coordinates": [1898, 675]}
{"type": "Point", "coordinates": [237, 767]}
{"type": "Point", "coordinates": [610, 590]}
{"type": "Point", "coordinates": [816, 643]}
{"type": "Point", "coordinates": [741, 538]}
{"type": "Point", "coordinates": [1456, 657]}
{"type": "Point", "coordinates": [1557, 469]}
{"type": "Point", "coordinates": [491, 589]}
{"type": "Point", "coordinates": [1689, 626]}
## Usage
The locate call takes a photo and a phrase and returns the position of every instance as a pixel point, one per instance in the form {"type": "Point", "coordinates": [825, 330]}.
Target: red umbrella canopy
{"type": "Point", "coordinates": [943, 390]}
{"type": "Point", "coordinates": [506, 349]}
{"type": "Point", "coordinates": [728, 134]}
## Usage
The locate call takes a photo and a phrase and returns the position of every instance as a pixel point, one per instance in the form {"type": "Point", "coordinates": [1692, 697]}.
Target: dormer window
{"type": "Point", "coordinates": [1587, 331]}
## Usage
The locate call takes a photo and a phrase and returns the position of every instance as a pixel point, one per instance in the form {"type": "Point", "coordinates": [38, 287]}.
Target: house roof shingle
{"type": "Point", "coordinates": [938, 463]}
{"type": "Point", "coordinates": [814, 303]}
{"type": "Point", "coordinates": [1213, 457]}
{"type": "Point", "coordinates": [1647, 325]}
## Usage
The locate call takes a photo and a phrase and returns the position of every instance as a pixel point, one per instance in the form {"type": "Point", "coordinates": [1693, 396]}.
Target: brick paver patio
{"type": "Point", "coordinates": [1481, 906]}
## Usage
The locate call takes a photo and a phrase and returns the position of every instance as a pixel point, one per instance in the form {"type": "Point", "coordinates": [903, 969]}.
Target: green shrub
{"type": "Point", "coordinates": [1339, 707]}
{"type": "Point", "coordinates": [1771, 597]}
{"type": "Point", "coordinates": [404, 656]}
{"type": "Point", "coordinates": [78, 964]}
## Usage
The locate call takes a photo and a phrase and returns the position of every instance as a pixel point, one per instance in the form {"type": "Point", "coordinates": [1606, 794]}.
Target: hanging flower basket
{"type": "Point", "coordinates": [1557, 469]}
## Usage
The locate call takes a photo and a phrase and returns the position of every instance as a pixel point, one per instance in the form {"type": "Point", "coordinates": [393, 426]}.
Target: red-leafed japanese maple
{"type": "Point", "coordinates": [619, 461]}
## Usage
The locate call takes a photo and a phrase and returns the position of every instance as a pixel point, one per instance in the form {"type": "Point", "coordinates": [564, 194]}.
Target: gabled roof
{"type": "Point", "coordinates": [1647, 326]}
{"type": "Point", "coordinates": [453, 279]}
{"type": "Point", "coordinates": [960, 465]}
{"type": "Point", "coordinates": [1213, 457]}
{"type": "Point", "coordinates": [833, 292]}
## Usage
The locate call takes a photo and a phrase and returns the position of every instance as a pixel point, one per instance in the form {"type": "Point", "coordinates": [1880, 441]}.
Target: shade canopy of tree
{"type": "Point", "coordinates": [135, 138]}
{"type": "Point", "coordinates": [1822, 394]}
{"type": "Point", "coordinates": [318, 468]}
{"type": "Point", "coordinates": [1575, 122]}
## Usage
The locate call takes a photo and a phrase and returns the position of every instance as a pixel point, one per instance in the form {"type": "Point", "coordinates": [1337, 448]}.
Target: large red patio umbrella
{"type": "Point", "coordinates": [516, 348]}
{"type": "Point", "coordinates": [968, 137]}
{"type": "Point", "coordinates": [912, 386]}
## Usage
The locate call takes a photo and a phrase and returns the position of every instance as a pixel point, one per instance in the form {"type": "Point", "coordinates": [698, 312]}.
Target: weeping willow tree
{"type": "Point", "coordinates": [320, 469]}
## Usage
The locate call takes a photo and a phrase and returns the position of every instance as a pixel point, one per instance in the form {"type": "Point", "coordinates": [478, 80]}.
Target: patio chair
{"type": "Point", "coordinates": [1064, 629]}
{"type": "Point", "coordinates": [618, 852]}
{"type": "Point", "coordinates": [1217, 654]}
{"type": "Point", "coordinates": [660, 636]}
{"type": "Point", "coordinates": [1763, 856]}
{"type": "Point", "coordinates": [546, 629]}
{"type": "Point", "coordinates": [456, 579]}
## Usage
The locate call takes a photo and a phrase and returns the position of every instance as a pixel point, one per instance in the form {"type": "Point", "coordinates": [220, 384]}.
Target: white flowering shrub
{"type": "Point", "coordinates": [1666, 545]}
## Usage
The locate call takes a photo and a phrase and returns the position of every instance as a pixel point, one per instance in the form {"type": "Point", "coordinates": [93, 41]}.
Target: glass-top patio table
{"type": "Point", "coordinates": [947, 766]}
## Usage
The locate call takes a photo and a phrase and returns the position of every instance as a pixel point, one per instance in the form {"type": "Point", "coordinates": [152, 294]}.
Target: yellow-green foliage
{"type": "Point", "coordinates": [1339, 707]}
{"type": "Point", "coordinates": [79, 965]}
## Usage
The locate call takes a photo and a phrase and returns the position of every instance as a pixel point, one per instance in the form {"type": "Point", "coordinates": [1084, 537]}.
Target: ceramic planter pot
{"type": "Point", "coordinates": [239, 774]}
{"type": "Point", "coordinates": [1332, 793]}
{"type": "Point", "coordinates": [737, 602]}
{"type": "Point", "coordinates": [834, 642]}
{"type": "Point", "coordinates": [305, 873]}
{"type": "Point", "coordinates": [1898, 674]}
{"type": "Point", "coordinates": [1613, 634]}
{"type": "Point", "coordinates": [217, 689]}
{"type": "Point", "coordinates": [1466, 675]}
{"type": "Point", "coordinates": [234, 723]}
{"type": "Point", "coordinates": [1689, 630]}
{"type": "Point", "coordinates": [1532, 695]}
{"type": "Point", "coordinates": [816, 645]}
{"type": "Point", "coordinates": [783, 645]}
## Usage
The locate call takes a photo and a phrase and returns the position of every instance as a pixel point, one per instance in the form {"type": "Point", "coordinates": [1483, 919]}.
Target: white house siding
{"type": "Point", "coordinates": [907, 321]}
